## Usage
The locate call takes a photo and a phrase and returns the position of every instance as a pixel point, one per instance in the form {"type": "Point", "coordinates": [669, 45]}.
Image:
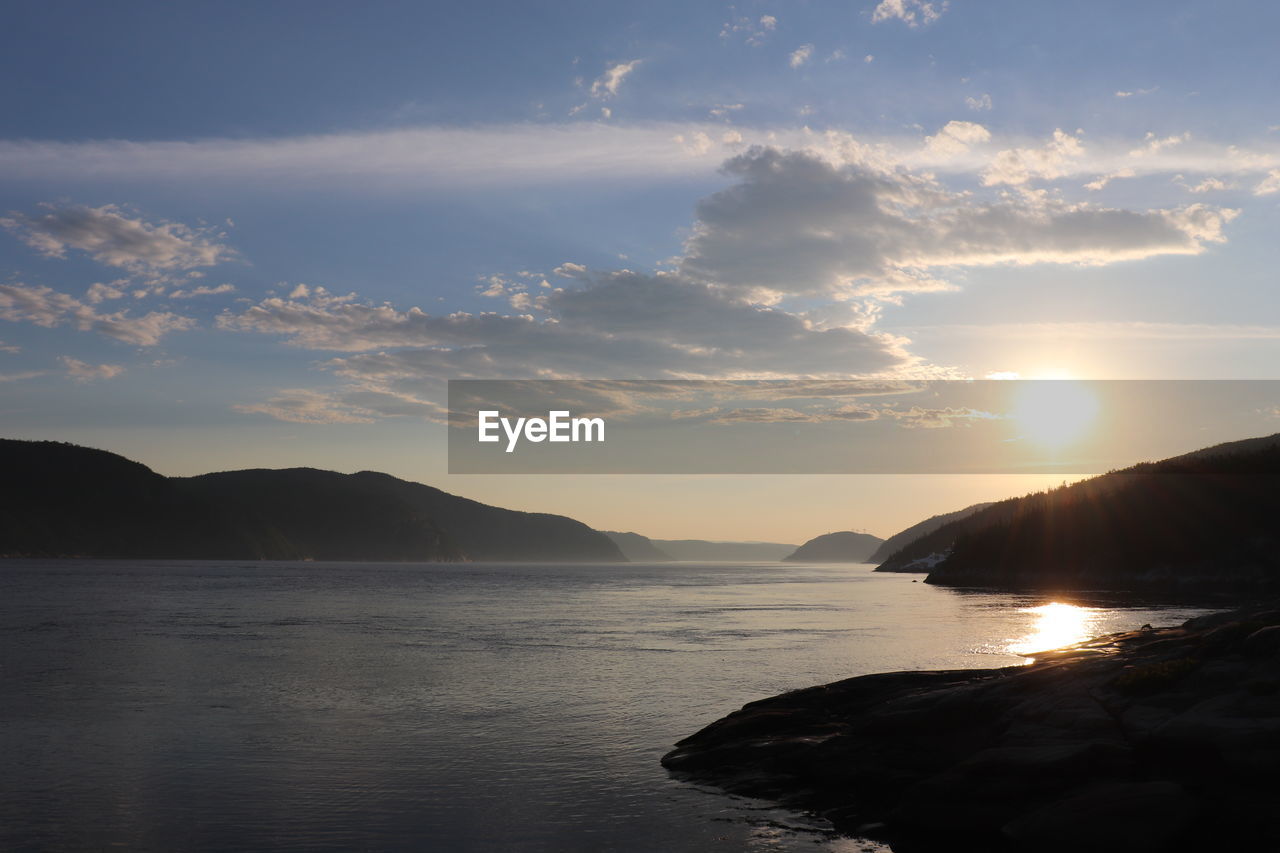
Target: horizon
{"type": "Point", "coordinates": [909, 483]}
{"type": "Point", "coordinates": [281, 249]}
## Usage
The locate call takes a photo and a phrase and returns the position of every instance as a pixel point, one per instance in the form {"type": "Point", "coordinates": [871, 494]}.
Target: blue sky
{"type": "Point", "coordinates": [245, 234]}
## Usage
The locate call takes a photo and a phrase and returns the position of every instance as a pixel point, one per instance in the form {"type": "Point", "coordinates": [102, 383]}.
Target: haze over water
{"type": "Point", "coordinates": [327, 706]}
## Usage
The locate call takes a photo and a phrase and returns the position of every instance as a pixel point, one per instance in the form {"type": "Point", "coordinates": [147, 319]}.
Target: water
{"type": "Point", "coordinates": [341, 706]}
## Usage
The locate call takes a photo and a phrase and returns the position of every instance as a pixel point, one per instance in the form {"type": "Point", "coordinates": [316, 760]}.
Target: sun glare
{"type": "Point", "coordinates": [1054, 412]}
{"type": "Point", "coordinates": [1057, 625]}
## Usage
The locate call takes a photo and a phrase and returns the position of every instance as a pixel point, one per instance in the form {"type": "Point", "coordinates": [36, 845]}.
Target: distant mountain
{"type": "Point", "coordinates": [895, 546]}
{"type": "Point", "coordinates": [1202, 522]}
{"type": "Point", "coordinates": [637, 548]}
{"type": "Point", "coordinates": [63, 500]}
{"type": "Point", "coordinates": [843, 547]}
{"type": "Point", "coordinates": [702, 551]}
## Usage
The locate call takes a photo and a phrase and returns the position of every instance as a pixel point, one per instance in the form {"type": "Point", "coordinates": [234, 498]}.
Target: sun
{"type": "Point", "coordinates": [1054, 412]}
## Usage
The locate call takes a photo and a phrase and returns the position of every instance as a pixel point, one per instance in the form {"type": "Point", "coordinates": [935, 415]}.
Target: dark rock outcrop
{"type": "Point", "coordinates": [1155, 740]}
{"type": "Point", "coordinates": [61, 500]}
{"type": "Point", "coordinates": [842, 547]}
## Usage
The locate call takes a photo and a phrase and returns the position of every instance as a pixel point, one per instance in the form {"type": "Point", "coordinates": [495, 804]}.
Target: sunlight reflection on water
{"type": "Point", "coordinates": [1056, 625]}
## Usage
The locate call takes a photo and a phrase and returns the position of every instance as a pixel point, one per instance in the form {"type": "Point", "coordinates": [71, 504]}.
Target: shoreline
{"type": "Point", "coordinates": [1152, 740]}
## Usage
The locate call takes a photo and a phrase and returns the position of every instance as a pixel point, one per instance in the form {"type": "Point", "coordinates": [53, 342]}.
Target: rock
{"type": "Point", "coordinates": [1142, 817]}
{"type": "Point", "coordinates": [1263, 641]}
{"type": "Point", "coordinates": [1156, 740]}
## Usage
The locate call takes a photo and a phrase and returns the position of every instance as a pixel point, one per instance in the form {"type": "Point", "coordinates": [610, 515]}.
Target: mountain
{"type": "Point", "coordinates": [843, 547]}
{"type": "Point", "coordinates": [702, 551]}
{"type": "Point", "coordinates": [637, 548]}
{"type": "Point", "coordinates": [63, 500]}
{"type": "Point", "coordinates": [899, 541]}
{"type": "Point", "coordinates": [1201, 522]}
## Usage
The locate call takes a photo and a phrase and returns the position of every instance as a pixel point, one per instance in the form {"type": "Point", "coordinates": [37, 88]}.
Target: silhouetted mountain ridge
{"type": "Point", "coordinates": [64, 500]}
{"type": "Point", "coordinates": [844, 546]}
{"type": "Point", "coordinates": [897, 544]}
{"type": "Point", "coordinates": [1202, 521]}
{"type": "Point", "coordinates": [638, 548]}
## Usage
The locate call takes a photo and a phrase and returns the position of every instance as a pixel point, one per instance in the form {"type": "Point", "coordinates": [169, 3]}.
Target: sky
{"type": "Point", "coordinates": [267, 234]}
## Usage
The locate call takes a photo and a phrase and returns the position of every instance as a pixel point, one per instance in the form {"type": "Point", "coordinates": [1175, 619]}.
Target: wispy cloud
{"type": "Point", "coordinates": [202, 290]}
{"type": "Point", "coordinates": [607, 84]}
{"type": "Point", "coordinates": [83, 372]}
{"type": "Point", "coordinates": [913, 13]}
{"type": "Point", "coordinates": [413, 159]}
{"type": "Point", "coordinates": [46, 307]}
{"type": "Point", "coordinates": [800, 56]}
{"type": "Point", "coordinates": [303, 406]}
{"type": "Point", "coordinates": [755, 31]}
{"type": "Point", "coordinates": [21, 376]}
{"type": "Point", "coordinates": [1268, 185]}
{"type": "Point", "coordinates": [978, 104]}
{"type": "Point", "coordinates": [112, 236]}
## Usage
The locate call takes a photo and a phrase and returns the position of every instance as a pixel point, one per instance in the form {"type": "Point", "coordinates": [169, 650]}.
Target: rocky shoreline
{"type": "Point", "coordinates": [1153, 740]}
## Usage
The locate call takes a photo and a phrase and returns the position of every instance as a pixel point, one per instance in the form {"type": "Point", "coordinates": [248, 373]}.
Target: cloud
{"type": "Point", "coordinates": [303, 406]}
{"type": "Point", "coordinates": [1101, 181]}
{"type": "Point", "coordinates": [1154, 144]}
{"type": "Point", "coordinates": [696, 144]}
{"type": "Point", "coordinates": [202, 290]}
{"type": "Point", "coordinates": [394, 160]}
{"type": "Point", "coordinates": [606, 85]}
{"type": "Point", "coordinates": [9, 348]}
{"type": "Point", "coordinates": [911, 12]}
{"type": "Point", "coordinates": [616, 323]}
{"type": "Point", "coordinates": [1208, 185]}
{"type": "Point", "coordinates": [723, 110]}
{"type": "Point", "coordinates": [18, 377]}
{"type": "Point", "coordinates": [796, 224]}
{"type": "Point", "coordinates": [417, 159]}
{"type": "Point", "coordinates": [1268, 185]}
{"type": "Point", "coordinates": [978, 104]}
{"type": "Point", "coordinates": [800, 55]}
{"type": "Point", "coordinates": [756, 30]}
{"type": "Point", "coordinates": [619, 324]}
{"type": "Point", "coordinates": [1136, 92]}
{"type": "Point", "coordinates": [923, 418]}
{"type": "Point", "coordinates": [1020, 165]}
{"type": "Point", "coordinates": [792, 225]}
{"type": "Point", "coordinates": [112, 237]}
{"type": "Point", "coordinates": [764, 415]}
{"type": "Point", "coordinates": [48, 308]}
{"type": "Point", "coordinates": [83, 372]}
{"type": "Point", "coordinates": [42, 306]}
{"type": "Point", "coordinates": [144, 331]}
{"type": "Point", "coordinates": [956, 137]}
{"type": "Point", "coordinates": [916, 417]}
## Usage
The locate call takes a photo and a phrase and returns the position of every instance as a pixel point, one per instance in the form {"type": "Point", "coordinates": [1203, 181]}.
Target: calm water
{"type": "Point", "coordinates": [313, 706]}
